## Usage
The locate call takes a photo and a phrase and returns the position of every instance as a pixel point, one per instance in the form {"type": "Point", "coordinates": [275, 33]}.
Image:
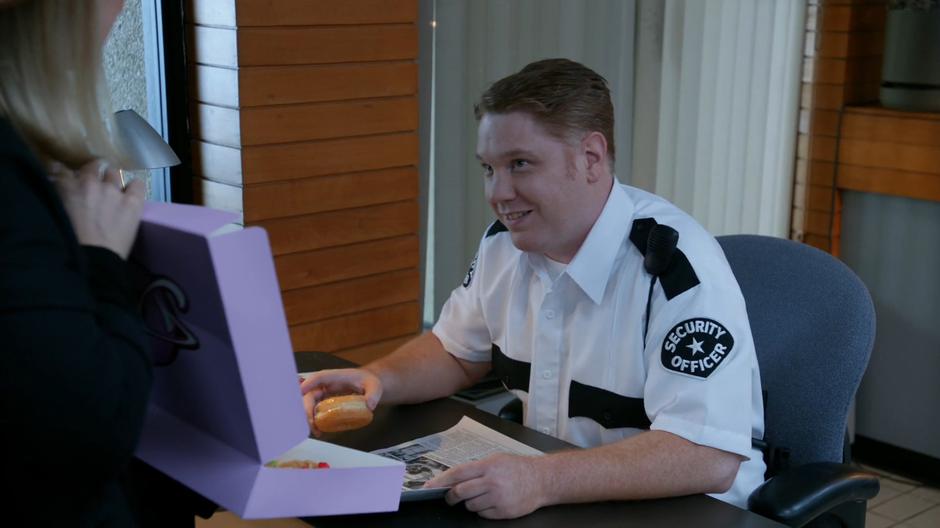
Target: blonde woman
{"type": "Point", "coordinates": [75, 372]}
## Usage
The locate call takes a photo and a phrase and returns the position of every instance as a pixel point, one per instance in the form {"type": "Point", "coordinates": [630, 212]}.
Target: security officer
{"type": "Point", "coordinates": [612, 314]}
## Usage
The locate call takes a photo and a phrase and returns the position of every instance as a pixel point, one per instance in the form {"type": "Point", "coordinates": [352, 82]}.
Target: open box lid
{"type": "Point", "coordinates": [214, 305]}
{"type": "Point", "coordinates": [226, 398]}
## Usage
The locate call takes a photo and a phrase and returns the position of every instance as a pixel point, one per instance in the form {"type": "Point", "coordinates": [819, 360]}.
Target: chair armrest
{"type": "Point", "coordinates": [512, 411]}
{"type": "Point", "coordinates": [802, 493]}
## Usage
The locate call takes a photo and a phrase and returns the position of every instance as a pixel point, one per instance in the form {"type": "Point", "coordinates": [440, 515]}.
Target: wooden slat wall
{"type": "Point", "coordinates": [842, 66]}
{"type": "Point", "coordinates": [305, 118]}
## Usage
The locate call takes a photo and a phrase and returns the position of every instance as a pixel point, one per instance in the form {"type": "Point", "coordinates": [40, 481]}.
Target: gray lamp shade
{"type": "Point", "coordinates": [142, 145]}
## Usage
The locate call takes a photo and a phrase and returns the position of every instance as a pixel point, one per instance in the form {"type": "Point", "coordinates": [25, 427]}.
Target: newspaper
{"type": "Point", "coordinates": [429, 456]}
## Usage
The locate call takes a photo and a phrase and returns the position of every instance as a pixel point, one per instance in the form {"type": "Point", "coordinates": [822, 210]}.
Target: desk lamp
{"type": "Point", "coordinates": [143, 147]}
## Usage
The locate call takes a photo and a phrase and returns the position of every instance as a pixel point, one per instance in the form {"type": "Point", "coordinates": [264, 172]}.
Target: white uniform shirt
{"type": "Point", "coordinates": [572, 349]}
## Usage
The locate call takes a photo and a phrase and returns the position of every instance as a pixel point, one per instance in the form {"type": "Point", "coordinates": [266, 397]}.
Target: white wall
{"type": "Point", "coordinates": [892, 244]}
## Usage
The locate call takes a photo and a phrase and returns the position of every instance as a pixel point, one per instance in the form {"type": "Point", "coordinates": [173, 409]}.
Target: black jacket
{"type": "Point", "coordinates": [75, 370]}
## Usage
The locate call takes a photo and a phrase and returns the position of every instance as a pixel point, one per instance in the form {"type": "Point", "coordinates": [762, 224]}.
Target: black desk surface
{"type": "Point", "coordinates": [397, 424]}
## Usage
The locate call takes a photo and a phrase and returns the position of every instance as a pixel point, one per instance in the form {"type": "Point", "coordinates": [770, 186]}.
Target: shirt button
{"type": "Point", "coordinates": [545, 430]}
{"type": "Point", "coordinates": [549, 314]}
{"type": "Point", "coordinates": [547, 374]}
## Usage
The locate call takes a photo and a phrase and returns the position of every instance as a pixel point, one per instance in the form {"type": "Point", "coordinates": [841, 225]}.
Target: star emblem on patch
{"type": "Point", "coordinates": [696, 347]}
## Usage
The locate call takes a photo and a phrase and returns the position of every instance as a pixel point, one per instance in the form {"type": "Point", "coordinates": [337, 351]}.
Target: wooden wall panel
{"type": "Point", "coordinates": [838, 44]}
{"type": "Point", "coordinates": [340, 298]}
{"type": "Point", "coordinates": [854, 17]}
{"type": "Point", "coordinates": [332, 335]}
{"type": "Point", "coordinates": [313, 83]}
{"type": "Point", "coordinates": [327, 193]}
{"type": "Point", "coordinates": [914, 158]}
{"type": "Point", "coordinates": [309, 268]}
{"type": "Point", "coordinates": [877, 124]}
{"type": "Point", "coordinates": [325, 45]}
{"type": "Point", "coordinates": [842, 67]}
{"type": "Point", "coordinates": [363, 354]}
{"type": "Point", "coordinates": [290, 123]}
{"type": "Point", "coordinates": [303, 12]}
{"type": "Point", "coordinates": [919, 185]}
{"type": "Point", "coordinates": [267, 163]}
{"type": "Point", "coordinates": [335, 228]}
{"type": "Point", "coordinates": [890, 152]}
{"type": "Point", "coordinates": [305, 120]}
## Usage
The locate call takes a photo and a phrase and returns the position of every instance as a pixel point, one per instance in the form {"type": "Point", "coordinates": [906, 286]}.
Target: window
{"type": "Point", "coordinates": [135, 70]}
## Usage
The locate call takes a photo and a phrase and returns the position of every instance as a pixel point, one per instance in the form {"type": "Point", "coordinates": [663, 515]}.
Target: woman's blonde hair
{"type": "Point", "coordinates": [52, 86]}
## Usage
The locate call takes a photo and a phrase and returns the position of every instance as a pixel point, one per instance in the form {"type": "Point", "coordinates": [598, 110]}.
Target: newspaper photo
{"type": "Point", "coordinates": [429, 456]}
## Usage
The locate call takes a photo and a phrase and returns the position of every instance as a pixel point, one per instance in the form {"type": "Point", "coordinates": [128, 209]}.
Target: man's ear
{"type": "Point", "coordinates": [594, 148]}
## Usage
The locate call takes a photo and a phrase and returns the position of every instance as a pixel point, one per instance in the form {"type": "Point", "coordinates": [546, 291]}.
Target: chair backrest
{"type": "Point", "coordinates": [813, 323]}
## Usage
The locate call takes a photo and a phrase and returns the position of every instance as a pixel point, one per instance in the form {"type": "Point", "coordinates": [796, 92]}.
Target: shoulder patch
{"type": "Point", "coordinates": [496, 227]}
{"type": "Point", "coordinates": [679, 276]}
{"type": "Point", "coordinates": [696, 347]}
{"type": "Point", "coordinates": [469, 277]}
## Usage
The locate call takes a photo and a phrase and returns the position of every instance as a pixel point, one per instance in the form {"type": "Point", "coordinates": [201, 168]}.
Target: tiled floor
{"type": "Point", "coordinates": [903, 503]}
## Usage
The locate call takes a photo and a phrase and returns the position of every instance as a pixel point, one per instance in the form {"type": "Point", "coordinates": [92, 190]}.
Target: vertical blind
{"type": "Point", "coordinates": [476, 43]}
{"type": "Point", "coordinates": [728, 109]}
{"type": "Point", "coordinates": [709, 122]}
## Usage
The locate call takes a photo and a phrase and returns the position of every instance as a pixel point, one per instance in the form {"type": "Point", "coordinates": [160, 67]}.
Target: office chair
{"type": "Point", "coordinates": [813, 324]}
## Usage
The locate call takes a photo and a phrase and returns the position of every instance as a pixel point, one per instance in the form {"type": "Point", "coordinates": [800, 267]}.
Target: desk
{"type": "Point", "coordinates": [395, 424]}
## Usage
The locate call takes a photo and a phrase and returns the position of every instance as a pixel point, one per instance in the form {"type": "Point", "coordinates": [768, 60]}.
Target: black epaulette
{"type": "Point", "coordinates": [679, 276]}
{"type": "Point", "coordinates": [497, 227]}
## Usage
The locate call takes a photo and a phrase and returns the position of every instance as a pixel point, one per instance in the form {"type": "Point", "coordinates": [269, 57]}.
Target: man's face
{"type": "Point", "coordinates": [535, 183]}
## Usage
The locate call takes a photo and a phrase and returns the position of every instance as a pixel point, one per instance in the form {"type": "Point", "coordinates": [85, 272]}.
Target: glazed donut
{"type": "Point", "coordinates": [342, 413]}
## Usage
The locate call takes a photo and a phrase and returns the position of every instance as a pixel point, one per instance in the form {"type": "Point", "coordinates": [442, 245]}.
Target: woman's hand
{"type": "Point", "coordinates": [103, 212]}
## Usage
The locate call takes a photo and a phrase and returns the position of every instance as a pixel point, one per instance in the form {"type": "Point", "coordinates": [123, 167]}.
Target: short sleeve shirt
{"type": "Point", "coordinates": [577, 351]}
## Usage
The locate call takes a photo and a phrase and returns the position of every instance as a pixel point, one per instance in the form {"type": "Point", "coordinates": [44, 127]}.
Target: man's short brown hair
{"type": "Point", "coordinates": [563, 95]}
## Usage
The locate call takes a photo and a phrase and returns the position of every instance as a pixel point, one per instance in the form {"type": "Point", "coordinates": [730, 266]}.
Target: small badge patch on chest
{"type": "Point", "coordinates": [469, 278]}
{"type": "Point", "coordinates": [696, 347]}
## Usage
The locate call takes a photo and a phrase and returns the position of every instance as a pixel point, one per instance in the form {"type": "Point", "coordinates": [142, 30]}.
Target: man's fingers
{"type": "Point", "coordinates": [372, 390]}
{"type": "Point", "coordinates": [456, 475]}
{"type": "Point", "coordinates": [464, 491]}
{"type": "Point", "coordinates": [494, 513]}
{"type": "Point", "coordinates": [309, 384]}
{"type": "Point", "coordinates": [482, 503]}
{"type": "Point", "coordinates": [334, 380]}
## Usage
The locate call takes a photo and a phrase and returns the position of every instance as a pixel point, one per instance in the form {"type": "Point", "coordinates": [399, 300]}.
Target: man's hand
{"type": "Point", "coordinates": [498, 487]}
{"type": "Point", "coordinates": [102, 211]}
{"type": "Point", "coordinates": [336, 382]}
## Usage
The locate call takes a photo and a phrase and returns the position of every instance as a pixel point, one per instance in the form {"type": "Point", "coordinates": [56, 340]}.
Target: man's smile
{"type": "Point", "coordinates": [515, 216]}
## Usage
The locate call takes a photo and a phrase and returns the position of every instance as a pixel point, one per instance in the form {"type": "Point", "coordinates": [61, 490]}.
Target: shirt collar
{"type": "Point", "coordinates": [591, 267]}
